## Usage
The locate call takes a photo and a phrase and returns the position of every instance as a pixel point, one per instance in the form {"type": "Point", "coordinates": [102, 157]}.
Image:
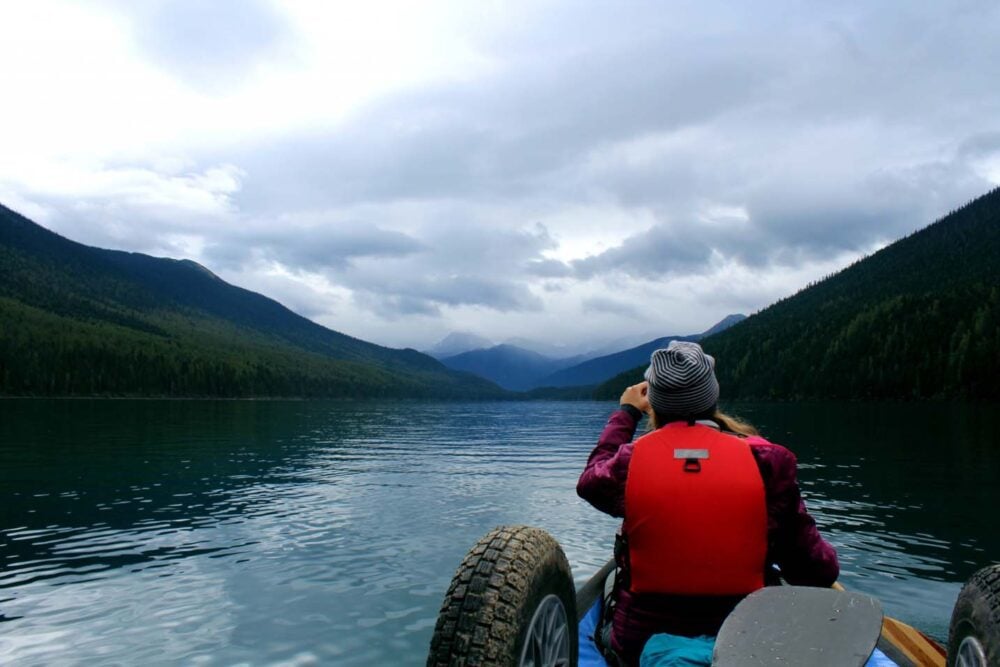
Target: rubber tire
{"type": "Point", "coordinates": [977, 613]}
{"type": "Point", "coordinates": [485, 614]}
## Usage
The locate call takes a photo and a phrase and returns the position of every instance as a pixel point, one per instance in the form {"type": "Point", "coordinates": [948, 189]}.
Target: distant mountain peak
{"type": "Point", "coordinates": [458, 342]}
{"type": "Point", "coordinates": [724, 323]}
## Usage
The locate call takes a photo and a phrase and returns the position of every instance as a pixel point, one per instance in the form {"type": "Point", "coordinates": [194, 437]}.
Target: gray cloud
{"type": "Point", "coordinates": [425, 295]}
{"type": "Point", "coordinates": [390, 273]}
{"type": "Point", "coordinates": [461, 264]}
{"type": "Point", "coordinates": [659, 252]}
{"type": "Point", "coordinates": [209, 44]}
{"type": "Point", "coordinates": [315, 247]}
{"type": "Point", "coordinates": [601, 304]}
{"type": "Point", "coordinates": [810, 216]}
{"type": "Point", "coordinates": [977, 145]}
{"type": "Point", "coordinates": [513, 133]}
{"type": "Point", "coordinates": [720, 104]}
{"type": "Point", "coordinates": [548, 268]}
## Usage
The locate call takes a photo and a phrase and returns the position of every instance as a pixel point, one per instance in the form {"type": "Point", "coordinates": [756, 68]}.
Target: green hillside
{"type": "Point", "coordinates": [918, 319]}
{"type": "Point", "coordinates": [82, 321]}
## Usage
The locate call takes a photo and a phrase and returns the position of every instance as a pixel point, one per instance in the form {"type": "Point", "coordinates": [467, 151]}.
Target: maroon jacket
{"type": "Point", "coordinates": [794, 543]}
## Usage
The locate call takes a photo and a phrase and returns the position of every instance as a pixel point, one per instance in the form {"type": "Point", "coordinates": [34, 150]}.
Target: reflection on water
{"type": "Point", "coordinates": [217, 532]}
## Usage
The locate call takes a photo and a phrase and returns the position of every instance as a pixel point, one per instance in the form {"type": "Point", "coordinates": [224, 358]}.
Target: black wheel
{"type": "Point", "coordinates": [974, 635]}
{"type": "Point", "coordinates": [511, 602]}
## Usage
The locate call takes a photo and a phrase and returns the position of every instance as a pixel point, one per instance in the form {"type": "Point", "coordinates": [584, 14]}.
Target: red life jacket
{"type": "Point", "coordinates": [695, 513]}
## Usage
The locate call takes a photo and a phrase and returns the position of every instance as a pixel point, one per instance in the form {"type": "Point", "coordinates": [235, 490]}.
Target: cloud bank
{"type": "Point", "coordinates": [565, 172]}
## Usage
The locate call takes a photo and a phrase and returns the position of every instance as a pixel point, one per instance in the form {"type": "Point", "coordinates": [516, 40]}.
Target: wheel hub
{"type": "Point", "coordinates": [547, 642]}
{"type": "Point", "coordinates": [970, 653]}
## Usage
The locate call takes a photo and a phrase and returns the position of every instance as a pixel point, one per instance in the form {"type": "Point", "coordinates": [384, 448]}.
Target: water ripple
{"type": "Point", "coordinates": [291, 533]}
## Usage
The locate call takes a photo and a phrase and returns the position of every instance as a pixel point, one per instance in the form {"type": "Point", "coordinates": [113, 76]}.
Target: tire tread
{"type": "Point", "coordinates": [977, 611]}
{"type": "Point", "coordinates": [478, 620]}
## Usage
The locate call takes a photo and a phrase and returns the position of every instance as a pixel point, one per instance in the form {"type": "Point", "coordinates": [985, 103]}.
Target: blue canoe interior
{"type": "Point", "coordinates": [897, 642]}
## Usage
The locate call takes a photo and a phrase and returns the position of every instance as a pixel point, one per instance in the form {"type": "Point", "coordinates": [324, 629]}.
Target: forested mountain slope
{"type": "Point", "coordinates": [77, 320]}
{"type": "Point", "coordinates": [918, 319]}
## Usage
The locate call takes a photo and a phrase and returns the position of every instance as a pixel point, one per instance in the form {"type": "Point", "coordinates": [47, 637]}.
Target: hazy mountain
{"type": "Point", "coordinates": [918, 319]}
{"type": "Point", "coordinates": [78, 320]}
{"type": "Point", "coordinates": [550, 350]}
{"type": "Point", "coordinates": [601, 368]}
{"type": "Point", "coordinates": [458, 342]}
{"type": "Point", "coordinates": [725, 323]}
{"type": "Point", "coordinates": [509, 366]}
{"type": "Point", "coordinates": [621, 343]}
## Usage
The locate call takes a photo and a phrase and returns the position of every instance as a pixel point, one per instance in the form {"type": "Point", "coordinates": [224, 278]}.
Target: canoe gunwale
{"type": "Point", "coordinates": [591, 591]}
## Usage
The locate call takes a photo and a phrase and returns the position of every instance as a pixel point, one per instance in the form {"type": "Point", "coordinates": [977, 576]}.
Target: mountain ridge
{"type": "Point", "coordinates": [169, 313]}
{"type": "Point", "coordinates": [919, 319]}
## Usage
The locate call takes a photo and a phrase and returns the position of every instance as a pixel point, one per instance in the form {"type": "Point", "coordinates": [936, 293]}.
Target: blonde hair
{"type": "Point", "coordinates": [733, 424]}
{"type": "Point", "coordinates": [727, 422]}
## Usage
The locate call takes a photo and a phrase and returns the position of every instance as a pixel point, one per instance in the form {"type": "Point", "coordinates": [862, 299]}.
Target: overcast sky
{"type": "Point", "coordinates": [567, 172]}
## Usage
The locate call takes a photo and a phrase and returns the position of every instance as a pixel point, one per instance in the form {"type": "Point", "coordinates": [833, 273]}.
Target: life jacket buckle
{"type": "Point", "coordinates": [692, 458]}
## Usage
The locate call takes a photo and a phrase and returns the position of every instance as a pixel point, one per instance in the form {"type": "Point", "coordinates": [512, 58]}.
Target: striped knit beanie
{"type": "Point", "coordinates": [682, 380]}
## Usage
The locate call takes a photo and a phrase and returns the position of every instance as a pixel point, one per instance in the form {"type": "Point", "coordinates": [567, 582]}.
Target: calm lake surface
{"type": "Point", "coordinates": [223, 532]}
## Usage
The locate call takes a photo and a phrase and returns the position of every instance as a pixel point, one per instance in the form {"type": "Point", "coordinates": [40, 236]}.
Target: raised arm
{"type": "Point", "coordinates": [602, 483]}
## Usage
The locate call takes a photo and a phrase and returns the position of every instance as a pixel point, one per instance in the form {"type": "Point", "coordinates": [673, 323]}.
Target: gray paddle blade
{"type": "Point", "coordinates": [799, 625]}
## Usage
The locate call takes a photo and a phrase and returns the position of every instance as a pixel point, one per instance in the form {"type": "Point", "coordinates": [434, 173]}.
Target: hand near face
{"type": "Point", "coordinates": [636, 395]}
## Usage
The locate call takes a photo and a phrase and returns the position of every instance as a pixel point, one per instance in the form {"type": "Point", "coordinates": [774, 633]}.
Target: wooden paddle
{"type": "Point", "coordinates": [907, 645]}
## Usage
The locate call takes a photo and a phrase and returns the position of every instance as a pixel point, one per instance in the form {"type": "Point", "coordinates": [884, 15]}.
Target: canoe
{"type": "Point", "coordinates": [512, 601]}
{"type": "Point", "coordinates": [902, 644]}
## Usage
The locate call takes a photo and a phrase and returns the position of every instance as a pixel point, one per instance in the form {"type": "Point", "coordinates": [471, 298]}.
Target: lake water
{"type": "Point", "coordinates": [286, 532]}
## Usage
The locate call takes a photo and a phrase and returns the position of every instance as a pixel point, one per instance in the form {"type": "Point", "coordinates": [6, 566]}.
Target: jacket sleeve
{"type": "Point", "coordinates": [795, 544]}
{"type": "Point", "coordinates": [602, 483]}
